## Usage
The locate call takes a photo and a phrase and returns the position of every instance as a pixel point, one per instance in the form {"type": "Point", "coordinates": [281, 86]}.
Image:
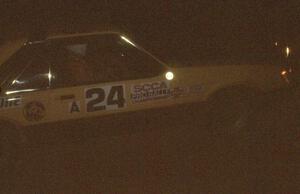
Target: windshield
{"type": "Point", "coordinates": [13, 64]}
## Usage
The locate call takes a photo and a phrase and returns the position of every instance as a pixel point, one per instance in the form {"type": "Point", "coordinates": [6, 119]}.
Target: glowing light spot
{"type": "Point", "coordinates": [128, 41]}
{"type": "Point", "coordinates": [284, 72]}
{"type": "Point", "coordinates": [169, 75]}
{"type": "Point", "coordinates": [276, 43]}
{"type": "Point", "coordinates": [287, 51]}
{"type": "Point", "coordinates": [49, 76]}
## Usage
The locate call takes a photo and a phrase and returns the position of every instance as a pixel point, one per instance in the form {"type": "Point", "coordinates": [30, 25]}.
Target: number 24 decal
{"type": "Point", "coordinates": [106, 97]}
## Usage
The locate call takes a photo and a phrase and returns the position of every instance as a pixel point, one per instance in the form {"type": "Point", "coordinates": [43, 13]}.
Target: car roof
{"type": "Point", "coordinates": [11, 47]}
{"type": "Point", "coordinates": [68, 35]}
{"type": "Point", "coordinates": [8, 48]}
{"type": "Point", "coordinates": [71, 35]}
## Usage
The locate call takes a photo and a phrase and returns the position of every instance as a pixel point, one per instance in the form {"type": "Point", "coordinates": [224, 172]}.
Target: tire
{"type": "Point", "coordinates": [231, 111]}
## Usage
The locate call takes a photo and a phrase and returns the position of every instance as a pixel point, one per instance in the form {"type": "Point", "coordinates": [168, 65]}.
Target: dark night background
{"type": "Point", "coordinates": [175, 30]}
{"type": "Point", "coordinates": [164, 158]}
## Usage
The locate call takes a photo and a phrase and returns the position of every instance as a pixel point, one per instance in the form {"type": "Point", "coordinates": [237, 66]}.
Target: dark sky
{"type": "Point", "coordinates": [166, 27]}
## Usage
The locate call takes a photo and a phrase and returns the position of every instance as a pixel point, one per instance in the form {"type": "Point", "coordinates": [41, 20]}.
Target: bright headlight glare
{"type": "Point", "coordinates": [169, 75]}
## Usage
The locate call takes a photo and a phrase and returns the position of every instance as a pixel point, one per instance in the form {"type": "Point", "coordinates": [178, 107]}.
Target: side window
{"type": "Point", "coordinates": [115, 58]}
{"type": "Point", "coordinates": [99, 59]}
{"type": "Point", "coordinates": [83, 61]}
{"type": "Point", "coordinates": [70, 66]}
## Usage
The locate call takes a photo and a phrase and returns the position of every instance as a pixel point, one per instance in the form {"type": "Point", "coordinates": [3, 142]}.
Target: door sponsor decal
{"type": "Point", "coordinates": [179, 91]}
{"type": "Point", "coordinates": [74, 107]}
{"type": "Point", "coordinates": [160, 89]}
{"type": "Point", "coordinates": [34, 111]}
{"type": "Point", "coordinates": [105, 98]}
{"type": "Point", "coordinates": [150, 91]}
{"type": "Point", "coordinates": [10, 102]}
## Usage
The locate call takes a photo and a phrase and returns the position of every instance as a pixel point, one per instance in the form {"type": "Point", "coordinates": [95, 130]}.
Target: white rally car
{"type": "Point", "coordinates": [81, 76]}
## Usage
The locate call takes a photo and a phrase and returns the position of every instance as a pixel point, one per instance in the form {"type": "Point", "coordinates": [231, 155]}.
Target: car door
{"type": "Point", "coordinates": [117, 60]}
{"type": "Point", "coordinates": [105, 74]}
{"type": "Point", "coordinates": [80, 88]}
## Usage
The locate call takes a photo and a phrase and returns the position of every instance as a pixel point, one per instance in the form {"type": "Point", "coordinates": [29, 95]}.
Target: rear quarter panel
{"type": "Point", "coordinates": [213, 78]}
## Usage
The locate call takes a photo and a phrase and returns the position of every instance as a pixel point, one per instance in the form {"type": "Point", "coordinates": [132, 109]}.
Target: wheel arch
{"type": "Point", "coordinates": [240, 87]}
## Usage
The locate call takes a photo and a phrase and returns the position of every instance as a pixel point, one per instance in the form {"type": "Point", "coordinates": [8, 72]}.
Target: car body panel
{"type": "Point", "coordinates": [190, 84]}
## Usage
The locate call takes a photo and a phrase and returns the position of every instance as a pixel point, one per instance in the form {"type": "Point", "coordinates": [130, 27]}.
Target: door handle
{"type": "Point", "coordinates": [67, 97]}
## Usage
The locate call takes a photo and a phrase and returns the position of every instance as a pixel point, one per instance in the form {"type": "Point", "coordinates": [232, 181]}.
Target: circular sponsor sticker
{"type": "Point", "coordinates": [34, 111]}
